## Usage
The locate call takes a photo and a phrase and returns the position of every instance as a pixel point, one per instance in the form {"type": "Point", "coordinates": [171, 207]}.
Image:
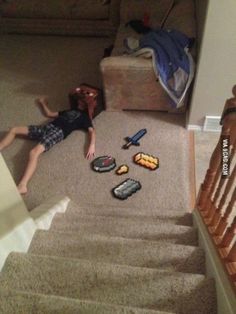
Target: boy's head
{"type": "Point", "coordinates": [84, 98]}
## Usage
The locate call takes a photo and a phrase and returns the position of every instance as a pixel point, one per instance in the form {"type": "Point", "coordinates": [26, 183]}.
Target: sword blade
{"type": "Point", "coordinates": [138, 135]}
{"type": "Point", "coordinates": [134, 139]}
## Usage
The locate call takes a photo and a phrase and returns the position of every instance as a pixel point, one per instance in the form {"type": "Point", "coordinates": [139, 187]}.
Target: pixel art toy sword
{"type": "Point", "coordinates": [134, 139]}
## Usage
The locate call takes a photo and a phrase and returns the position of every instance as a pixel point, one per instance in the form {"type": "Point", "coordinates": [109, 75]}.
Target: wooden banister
{"type": "Point", "coordinates": [227, 188]}
{"type": "Point", "coordinates": [219, 210]}
{"type": "Point", "coordinates": [231, 257]}
{"type": "Point", "coordinates": [229, 235]}
{"type": "Point", "coordinates": [217, 195]}
{"type": "Point", "coordinates": [223, 220]}
{"type": "Point", "coordinates": [209, 179]}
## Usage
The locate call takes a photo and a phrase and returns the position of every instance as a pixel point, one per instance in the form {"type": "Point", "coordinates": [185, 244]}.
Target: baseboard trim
{"type": "Point", "coordinates": [192, 172]}
{"type": "Point", "coordinates": [226, 301]}
{"type": "Point", "coordinates": [212, 124]}
{"type": "Point", "coordinates": [194, 127]}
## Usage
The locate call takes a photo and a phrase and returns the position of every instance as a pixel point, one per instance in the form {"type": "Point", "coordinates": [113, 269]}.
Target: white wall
{"type": "Point", "coordinates": [216, 72]}
{"type": "Point", "coordinates": [16, 225]}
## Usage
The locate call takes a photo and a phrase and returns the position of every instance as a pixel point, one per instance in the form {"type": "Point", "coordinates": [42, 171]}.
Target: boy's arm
{"type": "Point", "coordinates": [91, 148]}
{"type": "Point", "coordinates": [44, 105]}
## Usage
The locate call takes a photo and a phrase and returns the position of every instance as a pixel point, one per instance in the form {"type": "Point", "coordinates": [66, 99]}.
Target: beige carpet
{"type": "Point", "coordinates": [96, 259]}
{"type": "Point", "coordinates": [205, 143]}
{"type": "Point", "coordinates": [33, 66]}
{"type": "Point", "coordinates": [64, 170]}
{"type": "Point", "coordinates": [103, 255]}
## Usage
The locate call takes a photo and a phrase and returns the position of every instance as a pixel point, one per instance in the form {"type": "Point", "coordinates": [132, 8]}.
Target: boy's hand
{"type": "Point", "coordinates": [43, 102]}
{"type": "Point", "coordinates": [91, 152]}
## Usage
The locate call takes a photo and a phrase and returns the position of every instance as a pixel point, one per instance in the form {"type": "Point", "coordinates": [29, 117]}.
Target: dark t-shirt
{"type": "Point", "coordinates": [70, 120]}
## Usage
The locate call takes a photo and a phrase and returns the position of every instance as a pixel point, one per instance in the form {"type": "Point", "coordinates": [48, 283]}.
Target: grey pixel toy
{"type": "Point", "coordinates": [126, 188]}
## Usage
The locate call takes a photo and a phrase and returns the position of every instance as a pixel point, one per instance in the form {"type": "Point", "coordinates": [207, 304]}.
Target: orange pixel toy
{"type": "Point", "coordinates": [146, 160]}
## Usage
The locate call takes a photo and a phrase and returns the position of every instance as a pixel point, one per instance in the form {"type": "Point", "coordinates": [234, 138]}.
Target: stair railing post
{"type": "Point", "coordinates": [215, 192]}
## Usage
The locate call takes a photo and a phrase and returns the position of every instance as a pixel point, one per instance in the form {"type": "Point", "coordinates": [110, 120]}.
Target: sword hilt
{"type": "Point", "coordinates": [127, 145]}
{"type": "Point", "coordinates": [130, 142]}
{"type": "Point", "coordinates": [134, 140]}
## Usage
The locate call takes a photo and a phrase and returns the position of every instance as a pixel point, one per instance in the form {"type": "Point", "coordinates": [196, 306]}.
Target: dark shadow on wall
{"type": "Point", "coordinates": [201, 14]}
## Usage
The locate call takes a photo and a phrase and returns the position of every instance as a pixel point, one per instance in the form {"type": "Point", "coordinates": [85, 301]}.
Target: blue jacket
{"type": "Point", "coordinates": [173, 64]}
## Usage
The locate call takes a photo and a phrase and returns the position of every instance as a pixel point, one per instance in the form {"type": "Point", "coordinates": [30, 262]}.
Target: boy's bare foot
{"type": "Point", "coordinates": [22, 188]}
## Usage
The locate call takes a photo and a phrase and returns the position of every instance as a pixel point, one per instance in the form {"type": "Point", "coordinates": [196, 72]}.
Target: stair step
{"type": "Point", "coordinates": [180, 218]}
{"type": "Point", "coordinates": [26, 302]}
{"type": "Point", "coordinates": [125, 227]}
{"type": "Point", "coordinates": [108, 283]}
{"type": "Point", "coordinates": [134, 252]}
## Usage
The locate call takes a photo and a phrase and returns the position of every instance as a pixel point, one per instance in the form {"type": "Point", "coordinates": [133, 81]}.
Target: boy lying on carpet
{"type": "Point", "coordinates": [47, 135]}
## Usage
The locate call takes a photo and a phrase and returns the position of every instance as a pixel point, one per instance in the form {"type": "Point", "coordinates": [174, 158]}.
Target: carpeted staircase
{"type": "Point", "coordinates": [99, 259]}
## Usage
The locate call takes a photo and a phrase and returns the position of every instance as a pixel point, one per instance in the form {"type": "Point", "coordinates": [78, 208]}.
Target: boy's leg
{"type": "Point", "coordinates": [9, 138]}
{"type": "Point", "coordinates": [30, 168]}
{"type": "Point", "coordinates": [49, 135]}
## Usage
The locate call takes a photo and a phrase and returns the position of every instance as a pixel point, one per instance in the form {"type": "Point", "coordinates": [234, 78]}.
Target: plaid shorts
{"type": "Point", "coordinates": [47, 135]}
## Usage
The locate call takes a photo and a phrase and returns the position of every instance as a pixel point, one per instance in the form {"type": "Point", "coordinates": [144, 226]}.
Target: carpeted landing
{"type": "Point", "coordinates": [99, 259]}
{"type": "Point", "coordinates": [63, 170]}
